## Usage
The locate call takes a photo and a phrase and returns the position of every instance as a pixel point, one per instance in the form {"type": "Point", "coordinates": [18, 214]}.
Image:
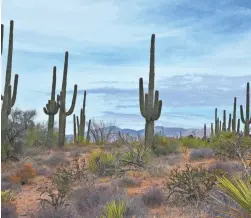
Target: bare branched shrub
{"type": "Point", "coordinates": [13, 137]}
{"type": "Point", "coordinates": [193, 183]}
{"type": "Point", "coordinates": [153, 197]}
{"type": "Point", "coordinates": [101, 132]}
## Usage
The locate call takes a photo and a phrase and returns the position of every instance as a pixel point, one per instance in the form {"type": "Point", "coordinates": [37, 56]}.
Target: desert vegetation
{"type": "Point", "coordinates": [105, 173]}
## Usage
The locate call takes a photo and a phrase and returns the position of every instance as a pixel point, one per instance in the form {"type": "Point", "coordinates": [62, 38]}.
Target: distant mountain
{"type": "Point", "coordinates": [166, 131]}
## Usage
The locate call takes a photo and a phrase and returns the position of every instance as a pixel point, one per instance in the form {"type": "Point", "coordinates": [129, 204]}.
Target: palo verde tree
{"type": "Point", "coordinates": [150, 105]}
{"type": "Point", "coordinates": [62, 104]}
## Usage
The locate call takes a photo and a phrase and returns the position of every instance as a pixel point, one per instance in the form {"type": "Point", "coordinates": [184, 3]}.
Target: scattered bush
{"type": "Point", "coordinates": [50, 212]}
{"type": "Point", "coordinates": [44, 171]}
{"type": "Point", "coordinates": [100, 162]}
{"type": "Point", "coordinates": [8, 211]}
{"type": "Point", "coordinates": [128, 182]}
{"type": "Point", "coordinates": [201, 153]}
{"type": "Point", "coordinates": [6, 196]}
{"type": "Point", "coordinates": [172, 146]}
{"type": "Point", "coordinates": [114, 210]}
{"type": "Point", "coordinates": [226, 167]}
{"type": "Point", "coordinates": [153, 197]}
{"type": "Point", "coordinates": [192, 183]}
{"type": "Point", "coordinates": [56, 159]}
{"type": "Point", "coordinates": [23, 174]}
{"type": "Point", "coordinates": [160, 140]}
{"type": "Point", "coordinates": [193, 142]}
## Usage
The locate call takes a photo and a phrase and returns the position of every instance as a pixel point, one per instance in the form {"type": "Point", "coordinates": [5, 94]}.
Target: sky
{"type": "Point", "coordinates": [203, 54]}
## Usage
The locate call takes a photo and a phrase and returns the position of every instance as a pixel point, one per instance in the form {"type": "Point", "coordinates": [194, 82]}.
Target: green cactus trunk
{"type": "Point", "coordinates": [229, 122]}
{"type": "Point", "coordinates": [216, 122]}
{"type": "Point", "coordinates": [82, 121]}
{"type": "Point", "coordinates": [62, 101]}
{"type": "Point", "coordinates": [205, 132]}
{"type": "Point", "coordinates": [88, 132]}
{"type": "Point", "coordinates": [220, 127]}
{"type": "Point", "coordinates": [247, 120]}
{"type": "Point", "coordinates": [150, 105]}
{"type": "Point", "coordinates": [8, 100]}
{"type": "Point", "coordinates": [234, 116]}
{"type": "Point", "coordinates": [212, 130]}
{"type": "Point", "coordinates": [78, 128]}
{"type": "Point", "coordinates": [51, 109]}
{"type": "Point", "coordinates": [74, 129]}
{"type": "Point", "coordinates": [224, 122]}
{"type": "Point", "coordinates": [238, 125]}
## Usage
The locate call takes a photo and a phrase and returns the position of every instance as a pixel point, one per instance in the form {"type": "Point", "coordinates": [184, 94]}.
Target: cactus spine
{"type": "Point", "coordinates": [82, 120]}
{"type": "Point", "coordinates": [150, 105]}
{"type": "Point", "coordinates": [234, 116]}
{"type": "Point", "coordinates": [229, 122]}
{"type": "Point", "coordinates": [247, 120]}
{"type": "Point", "coordinates": [51, 108]}
{"type": "Point", "coordinates": [8, 100]}
{"type": "Point", "coordinates": [62, 101]}
{"type": "Point", "coordinates": [88, 132]}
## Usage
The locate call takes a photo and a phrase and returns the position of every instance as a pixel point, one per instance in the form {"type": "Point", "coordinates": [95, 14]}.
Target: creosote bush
{"type": "Point", "coordinates": [201, 153]}
{"type": "Point", "coordinates": [153, 197]}
{"type": "Point", "coordinates": [194, 142]}
{"type": "Point", "coordinates": [172, 146]}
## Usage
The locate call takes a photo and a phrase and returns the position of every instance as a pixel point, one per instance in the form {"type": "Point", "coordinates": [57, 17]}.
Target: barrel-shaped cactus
{"type": "Point", "coordinates": [51, 109]}
{"type": "Point", "coordinates": [247, 119]}
{"type": "Point", "coordinates": [8, 98]}
{"type": "Point", "coordinates": [62, 102]}
{"type": "Point", "coordinates": [150, 105]}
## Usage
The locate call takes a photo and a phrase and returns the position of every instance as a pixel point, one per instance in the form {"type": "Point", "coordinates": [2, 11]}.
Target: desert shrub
{"type": "Point", "coordinates": [8, 211]}
{"type": "Point", "coordinates": [192, 183]}
{"type": "Point", "coordinates": [23, 174]}
{"type": "Point", "coordinates": [127, 181]}
{"type": "Point", "coordinates": [44, 171]}
{"type": "Point", "coordinates": [90, 202]}
{"type": "Point", "coordinates": [6, 196]}
{"type": "Point", "coordinates": [14, 137]}
{"type": "Point", "coordinates": [194, 142]}
{"type": "Point", "coordinates": [160, 140]}
{"type": "Point", "coordinates": [232, 146]}
{"type": "Point", "coordinates": [63, 180]}
{"type": "Point", "coordinates": [55, 159]}
{"type": "Point", "coordinates": [50, 212]}
{"type": "Point", "coordinates": [153, 197]}
{"type": "Point", "coordinates": [171, 146]}
{"type": "Point", "coordinates": [201, 153]}
{"type": "Point", "coordinates": [114, 210]}
{"type": "Point", "coordinates": [227, 167]}
{"type": "Point", "coordinates": [101, 132]}
{"type": "Point", "coordinates": [100, 162]}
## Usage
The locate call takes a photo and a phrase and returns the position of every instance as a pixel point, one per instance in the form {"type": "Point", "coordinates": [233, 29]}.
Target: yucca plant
{"type": "Point", "coordinates": [240, 191]}
{"type": "Point", "coordinates": [114, 210]}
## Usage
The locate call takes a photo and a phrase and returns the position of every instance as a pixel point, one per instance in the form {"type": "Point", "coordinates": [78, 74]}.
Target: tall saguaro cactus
{"type": "Point", "coordinates": [212, 130]}
{"type": "Point", "coordinates": [229, 122]}
{"type": "Point", "coordinates": [8, 99]}
{"type": "Point", "coordinates": [62, 104]}
{"type": "Point", "coordinates": [224, 124]}
{"type": "Point", "coordinates": [238, 125]}
{"type": "Point", "coordinates": [88, 132]}
{"type": "Point", "coordinates": [205, 132]}
{"type": "Point", "coordinates": [234, 116]}
{"type": "Point", "coordinates": [150, 105]}
{"type": "Point", "coordinates": [247, 120]}
{"type": "Point", "coordinates": [51, 108]}
{"type": "Point", "coordinates": [216, 121]}
{"type": "Point", "coordinates": [75, 129]}
{"type": "Point", "coordinates": [82, 120]}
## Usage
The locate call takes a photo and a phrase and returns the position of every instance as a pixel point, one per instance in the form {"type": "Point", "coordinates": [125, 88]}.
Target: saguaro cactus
{"type": "Point", "coordinates": [75, 129]}
{"type": "Point", "coordinates": [8, 100]}
{"type": "Point", "coordinates": [229, 122]}
{"type": "Point", "coordinates": [247, 120]}
{"type": "Point", "coordinates": [51, 108]}
{"type": "Point", "coordinates": [234, 116]}
{"type": "Point", "coordinates": [212, 129]}
{"type": "Point", "coordinates": [150, 105]}
{"type": "Point", "coordinates": [62, 100]}
{"type": "Point", "coordinates": [88, 132]}
{"type": "Point", "coordinates": [82, 120]}
{"type": "Point", "coordinates": [224, 121]}
{"type": "Point", "coordinates": [205, 132]}
{"type": "Point", "coordinates": [216, 121]}
{"type": "Point", "coordinates": [238, 125]}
